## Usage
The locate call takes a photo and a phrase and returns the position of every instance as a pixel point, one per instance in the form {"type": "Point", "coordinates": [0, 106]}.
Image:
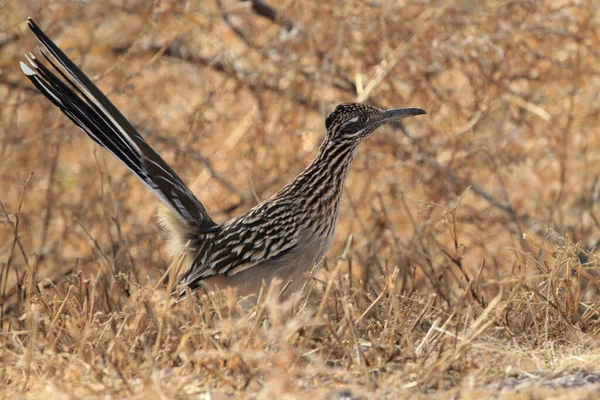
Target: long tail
{"type": "Point", "coordinates": [80, 100]}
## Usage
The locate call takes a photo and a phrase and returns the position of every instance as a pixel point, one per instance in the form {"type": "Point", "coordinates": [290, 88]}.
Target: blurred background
{"type": "Point", "coordinates": [234, 93]}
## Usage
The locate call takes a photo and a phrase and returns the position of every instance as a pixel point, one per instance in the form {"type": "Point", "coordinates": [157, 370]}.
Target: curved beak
{"type": "Point", "coordinates": [399, 113]}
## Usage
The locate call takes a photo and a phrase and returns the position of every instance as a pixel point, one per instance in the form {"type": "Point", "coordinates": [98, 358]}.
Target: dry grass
{"type": "Point", "coordinates": [464, 261]}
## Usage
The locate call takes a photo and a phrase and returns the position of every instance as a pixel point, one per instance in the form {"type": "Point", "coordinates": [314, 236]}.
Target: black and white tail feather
{"type": "Point", "coordinates": [81, 100]}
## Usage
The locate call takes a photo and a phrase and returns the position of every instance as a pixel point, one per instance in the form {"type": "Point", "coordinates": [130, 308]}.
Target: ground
{"type": "Point", "coordinates": [464, 263]}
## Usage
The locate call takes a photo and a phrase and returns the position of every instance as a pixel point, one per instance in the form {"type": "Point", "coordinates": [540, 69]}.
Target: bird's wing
{"type": "Point", "coordinates": [265, 233]}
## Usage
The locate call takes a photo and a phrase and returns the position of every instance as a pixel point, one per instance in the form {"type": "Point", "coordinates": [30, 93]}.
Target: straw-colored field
{"type": "Point", "coordinates": [464, 262]}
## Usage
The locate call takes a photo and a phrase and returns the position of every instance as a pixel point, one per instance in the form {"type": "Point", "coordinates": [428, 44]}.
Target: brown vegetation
{"type": "Point", "coordinates": [464, 261]}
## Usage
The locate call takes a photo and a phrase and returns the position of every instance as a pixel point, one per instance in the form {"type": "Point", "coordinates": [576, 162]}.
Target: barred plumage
{"type": "Point", "coordinates": [281, 238]}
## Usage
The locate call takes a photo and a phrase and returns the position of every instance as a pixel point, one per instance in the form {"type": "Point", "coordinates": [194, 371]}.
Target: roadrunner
{"type": "Point", "coordinates": [279, 240]}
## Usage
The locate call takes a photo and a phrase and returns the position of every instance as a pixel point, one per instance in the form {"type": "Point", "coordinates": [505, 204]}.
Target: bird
{"type": "Point", "coordinates": [280, 240]}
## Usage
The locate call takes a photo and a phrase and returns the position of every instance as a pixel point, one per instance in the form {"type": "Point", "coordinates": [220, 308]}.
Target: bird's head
{"type": "Point", "coordinates": [353, 122]}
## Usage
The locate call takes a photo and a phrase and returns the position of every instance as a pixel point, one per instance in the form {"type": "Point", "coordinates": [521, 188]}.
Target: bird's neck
{"type": "Point", "coordinates": [321, 184]}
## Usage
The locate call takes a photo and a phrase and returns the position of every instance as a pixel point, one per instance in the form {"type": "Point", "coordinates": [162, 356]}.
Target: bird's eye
{"type": "Point", "coordinates": [364, 119]}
